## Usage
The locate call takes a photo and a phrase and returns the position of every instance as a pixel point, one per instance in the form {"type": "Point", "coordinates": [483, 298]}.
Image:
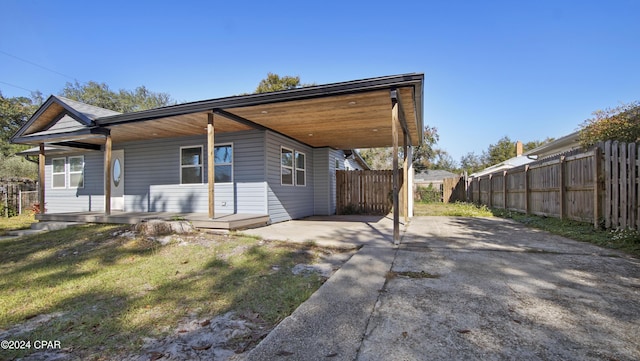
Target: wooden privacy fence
{"type": "Point", "coordinates": [598, 186]}
{"type": "Point", "coordinates": [364, 191]}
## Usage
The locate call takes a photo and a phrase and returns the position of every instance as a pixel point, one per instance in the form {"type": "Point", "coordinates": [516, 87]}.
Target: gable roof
{"type": "Point", "coordinates": [60, 115]}
{"type": "Point", "coordinates": [346, 115]}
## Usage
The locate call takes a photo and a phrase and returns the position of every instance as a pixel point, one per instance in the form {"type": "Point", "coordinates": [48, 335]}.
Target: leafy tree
{"type": "Point", "coordinates": [274, 82]}
{"type": "Point", "coordinates": [425, 156]}
{"type": "Point", "coordinates": [14, 112]}
{"type": "Point", "coordinates": [472, 162]}
{"type": "Point", "coordinates": [124, 101]}
{"type": "Point", "coordinates": [621, 123]}
{"type": "Point", "coordinates": [505, 149]}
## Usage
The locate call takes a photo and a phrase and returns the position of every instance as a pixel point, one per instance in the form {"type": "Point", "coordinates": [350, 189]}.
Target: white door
{"type": "Point", "coordinates": [117, 180]}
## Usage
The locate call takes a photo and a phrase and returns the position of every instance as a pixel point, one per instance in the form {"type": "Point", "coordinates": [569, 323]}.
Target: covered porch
{"type": "Point", "coordinates": [199, 220]}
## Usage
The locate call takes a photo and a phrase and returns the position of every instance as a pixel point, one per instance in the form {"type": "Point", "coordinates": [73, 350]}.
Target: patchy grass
{"type": "Point", "coordinates": [22, 221]}
{"type": "Point", "coordinates": [106, 292]}
{"type": "Point", "coordinates": [627, 241]}
{"type": "Point", "coordinates": [458, 209]}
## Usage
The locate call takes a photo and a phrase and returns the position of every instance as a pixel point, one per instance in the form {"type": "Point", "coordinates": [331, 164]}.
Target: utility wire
{"type": "Point", "coordinates": [38, 65]}
{"type": "Point", "coordinates": [16, 86]}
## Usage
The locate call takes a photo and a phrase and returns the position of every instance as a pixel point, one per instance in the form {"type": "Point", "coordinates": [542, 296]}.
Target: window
{"type": "Point", "coordinates": [286, 166]}
{"type": "Point", "coordinates": [223, 161]}
{"type": "Point", "coordinates": [59, 173]}
{"type": "Point", "coordinates": [301, 170]}
{"type": "Point", "coordinates": [191, 165]}
{"type": "Point", "coordinates": [76, 172]}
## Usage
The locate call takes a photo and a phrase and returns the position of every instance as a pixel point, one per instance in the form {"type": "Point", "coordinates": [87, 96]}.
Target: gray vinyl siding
{"type": "Point", "coordinates": [324, 161]}
{"type": "Point", "coordinates": [285, 201]}
{"type": "Point", "coordinates": [152, 176]}
{"type": "Point", "coordinates": [88, 198]}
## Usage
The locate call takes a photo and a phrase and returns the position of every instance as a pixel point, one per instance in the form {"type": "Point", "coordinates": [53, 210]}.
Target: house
{"type": "Point", "coordinates": [433, 177]}
{"type": "Point", "coordinates": [271, 155]}
{"type": "Point", "coordinates": [561, 145]}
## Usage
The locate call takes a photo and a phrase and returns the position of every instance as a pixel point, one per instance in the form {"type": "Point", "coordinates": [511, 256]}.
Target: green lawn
{"type": "Point", "coordinates": [109, 292]}
{"type": "Point", "coordinates": [18, 222]}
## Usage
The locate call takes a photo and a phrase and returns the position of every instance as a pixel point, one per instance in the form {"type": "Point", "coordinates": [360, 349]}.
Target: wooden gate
{"type": "Point", "coordinates": [364, 191]}
{"type": "Point", "coordinates": [454, 190]}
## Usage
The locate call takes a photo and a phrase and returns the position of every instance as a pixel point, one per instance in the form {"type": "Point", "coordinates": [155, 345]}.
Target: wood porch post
{"type": "Point", "coordinates": [405, 178]}
{"type": "Point", "coordinates": [211, 175]}
{"type": "Point", "coordinates": [41, 186]}
{"type": "Point", "coordinates": [107, 175]}
{"type": "Point", "coordinates": [394, 132]}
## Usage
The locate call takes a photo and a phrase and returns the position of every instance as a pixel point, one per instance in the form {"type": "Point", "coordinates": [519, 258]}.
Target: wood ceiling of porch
{"type": "Point", "coordinates": [358, 120]}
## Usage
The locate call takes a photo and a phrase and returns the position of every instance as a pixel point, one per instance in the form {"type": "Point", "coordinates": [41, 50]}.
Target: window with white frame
{"type": "Point", "coordinates": [59, 173]}
{"type": "Point", "coordinates": [301, 169]}
{"type": "Point", "coordinates": [67, 172]}
{"type": "Point", "coordinates": [223, 161]}
{"type": "Point", "coordinates": [286, 166]}
{"type": "Point", "coordinates": [76, 172]}
{"type": "Point", "coordinates": [191, 165]}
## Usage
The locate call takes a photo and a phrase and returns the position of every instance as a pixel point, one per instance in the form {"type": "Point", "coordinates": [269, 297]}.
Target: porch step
{"type": "Point", "coordinates": [231, 222]}
{"type": "Point", "coordinates": [52, 226]}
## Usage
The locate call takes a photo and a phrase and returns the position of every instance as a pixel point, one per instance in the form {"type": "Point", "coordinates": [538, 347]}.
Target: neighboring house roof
{"type": "Point", "coordinates": [561, 145]}
{"type": "Point", "coordinates": [356, 157]}
{"type": "Point", "coordinates": [433, 175]}
{"type": "Point", "coordinates": [346, 115]}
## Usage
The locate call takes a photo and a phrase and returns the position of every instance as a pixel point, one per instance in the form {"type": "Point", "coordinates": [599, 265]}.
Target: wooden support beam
{"type": "Point", "coordinates": [41, 186]}
{"type": "Point", "coordinates": [211, 175]}
{"type": "Point", "coordinates": [394, 132]}
{"type": "Point", "coordinates": [405, 177]}
{"type": "Point", "coordinates": [107, 175]}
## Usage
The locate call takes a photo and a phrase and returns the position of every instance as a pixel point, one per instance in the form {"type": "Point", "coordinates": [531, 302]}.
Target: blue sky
{"type": "Point", "coordinates": [523, 69]}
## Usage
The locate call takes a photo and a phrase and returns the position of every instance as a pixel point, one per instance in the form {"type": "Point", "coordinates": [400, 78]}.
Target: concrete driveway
{"type": "Point", "coordinates": [468, 288]}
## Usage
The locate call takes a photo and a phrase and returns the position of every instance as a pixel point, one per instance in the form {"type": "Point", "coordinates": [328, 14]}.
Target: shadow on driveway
{"type": "Point", "coordinates": [472, 288]}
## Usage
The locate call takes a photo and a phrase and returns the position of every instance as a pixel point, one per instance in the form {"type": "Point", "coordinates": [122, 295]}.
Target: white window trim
{"type": "Point", "coordinates": [232, 160]}
{"type": "Point", "coordinates": [69, 172]}
{"type": "Point", "coordinates": [292, 167]}
{"type": "Point", "coordinates": [64, 160]}
{"type": "Point", "coordinates": [296, 169]}
{"type": "Point", "coordinates": [192, 166]}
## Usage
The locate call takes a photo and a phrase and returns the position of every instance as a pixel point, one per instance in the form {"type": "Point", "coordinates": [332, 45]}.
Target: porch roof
{"type": "Point", "coordinates": [346, 115]}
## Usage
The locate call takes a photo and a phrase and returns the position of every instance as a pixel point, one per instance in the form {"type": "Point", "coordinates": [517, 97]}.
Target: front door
{"type": "Point", "coordinates": [117, 180]}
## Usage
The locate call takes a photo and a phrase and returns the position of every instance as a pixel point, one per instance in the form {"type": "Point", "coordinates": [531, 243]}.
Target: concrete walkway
{"type": "Point", "coordinates": [462, 288]}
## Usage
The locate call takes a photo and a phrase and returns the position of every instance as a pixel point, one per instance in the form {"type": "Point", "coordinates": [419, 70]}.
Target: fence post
{"type": "Point", "coordinates": [596, 186]}
{"type": "Point", "coordinates": [490, 201]}
{"type": "Point", "coordinates": [631, 192]}
{"type": "Point", "coordinates": [607, 181]}
{"type": "Point", "coordinates": [526, 189]}
{"type": "Point", "coordinates": [562, 193]}
{"type": "Point", "coordinates": [504, 189]}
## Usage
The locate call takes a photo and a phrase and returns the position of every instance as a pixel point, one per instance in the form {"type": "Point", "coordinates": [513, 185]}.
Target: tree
{"type": "Point", "coordinates": [124, 101]}
{"type": "Point", "coordinates": [472, 162]}
{"type": "Point", "coordinates": [14, 112]}
{"type": "Point", "coordinates": [274, 82]}
{"type": "Point", "coordinates": [621, 123]}
{"type": "Point", "coordinates": [425, 155]}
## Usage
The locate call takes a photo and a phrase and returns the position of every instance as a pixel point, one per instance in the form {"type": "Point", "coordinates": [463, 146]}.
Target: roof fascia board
{"type": "Point", "coordinates": [356, 86]}
{"type": "Point", "coordinates": [60, 137]}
